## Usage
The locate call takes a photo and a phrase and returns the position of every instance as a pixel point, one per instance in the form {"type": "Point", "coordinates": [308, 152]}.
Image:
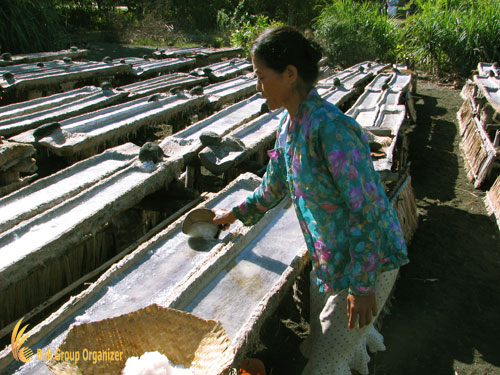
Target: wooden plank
{"type": "Point", "coordinates": [492, 200]}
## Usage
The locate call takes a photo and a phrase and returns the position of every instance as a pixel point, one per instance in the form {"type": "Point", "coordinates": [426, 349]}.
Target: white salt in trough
{"type": "Point", "coordinates": [146, 68]}
{"type": "Point", "coordinates": [28, 81]}
{"type": "Point", "coordinates": [73, 53]}
{"type": "Point", "coordinates": [187, 142]}
{"type": "Point", "coordinates": [64, 236]}
{"type": "Point", "coordinates": [190, 141]}
{"type": "Point", "coordinates": [247, 140]}
{"type": "Point", "coordinates": [201, 54]}
{"type": "Point", "coordinates": [208, 55]}
{"type": "Point", "coordinates": [85, 135]}
{"type": "Point", "coordinates": [19, 117]}
{"type": "Point", "coordinates": [55, 189]}
{"type": "Point", "coordinates": [180, 52]}
{"type": "Point", "coordinates": [230, 91]}
{"type": "Point", "coordinates": [340, 88]}
{"type": "Point", "coordinates": [354, 77]}
{"type": "Point", "coordinates": [488, 69]}
{"type": "Point", "coordinates": [162, 84]}
{"type": "Point", "coordinates": [224, 70]}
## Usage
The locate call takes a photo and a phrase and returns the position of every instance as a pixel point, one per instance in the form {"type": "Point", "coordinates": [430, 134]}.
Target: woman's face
{"type": "Point", "coordinates": [273, 85]}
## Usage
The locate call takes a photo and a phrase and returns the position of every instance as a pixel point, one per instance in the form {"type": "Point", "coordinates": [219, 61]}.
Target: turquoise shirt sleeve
{"type": "Point", "coordinates": [270, 192]}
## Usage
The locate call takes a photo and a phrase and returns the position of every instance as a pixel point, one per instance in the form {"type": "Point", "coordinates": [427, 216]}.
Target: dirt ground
{"type": "Point", "coordinates": [443, 317]}
{"type": "Point", "coordinates": [444, 314]}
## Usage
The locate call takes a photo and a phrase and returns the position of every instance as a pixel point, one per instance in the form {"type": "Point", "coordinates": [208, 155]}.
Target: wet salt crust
{"type": "Point", "coordinates": [153, 363]}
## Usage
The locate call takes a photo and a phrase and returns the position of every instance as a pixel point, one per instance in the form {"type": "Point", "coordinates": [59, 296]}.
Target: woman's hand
{"type": "Point", "coordinates": [361, 309]}
{"type": "Point", "coordinates": [224, 218]}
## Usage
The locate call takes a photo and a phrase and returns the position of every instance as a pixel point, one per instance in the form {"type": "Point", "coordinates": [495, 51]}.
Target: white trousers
{"type": "Point", "coordinates": [332, 348]}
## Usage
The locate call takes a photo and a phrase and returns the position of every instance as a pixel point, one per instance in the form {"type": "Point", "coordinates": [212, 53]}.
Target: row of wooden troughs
{"type": "Point", "coordinates": [26, 77]}
{"type": "Point", "coordinates": [479, 119]}
{"type": "Point", "coordinates": [103, 212]}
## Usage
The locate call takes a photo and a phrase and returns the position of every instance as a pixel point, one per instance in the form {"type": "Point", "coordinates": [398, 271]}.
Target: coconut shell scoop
{"type": "Point", "coordinates": [198, 224]}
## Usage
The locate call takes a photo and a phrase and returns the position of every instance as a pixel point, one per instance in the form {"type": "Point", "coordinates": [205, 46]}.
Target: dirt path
{"type": "Point", "coordinates": [444, 317]}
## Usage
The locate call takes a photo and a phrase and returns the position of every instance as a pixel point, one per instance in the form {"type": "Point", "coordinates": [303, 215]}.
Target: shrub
{"type": "Point", "coordinates": [351, 32]}
{"type": "Point", "coordinates": [452, 36]}
{"type": "Point", "coordinates": [243, 27]}
{"type": "Point", "coordinates": [248, 32]}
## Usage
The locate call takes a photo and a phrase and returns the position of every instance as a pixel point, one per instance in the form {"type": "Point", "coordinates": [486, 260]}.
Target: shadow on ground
{"type": "Point", "coordinates": [98, 51]}
{"type": "Point", "coordinates": [443, 317]}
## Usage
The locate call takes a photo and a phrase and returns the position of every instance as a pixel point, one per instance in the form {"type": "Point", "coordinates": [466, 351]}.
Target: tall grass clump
{"type": "Point", "coordinates": [452, 36]}
{"type": "Point", "coordinates": [28, 25]}
{"type": "Point", "coordinates": [351, 32]}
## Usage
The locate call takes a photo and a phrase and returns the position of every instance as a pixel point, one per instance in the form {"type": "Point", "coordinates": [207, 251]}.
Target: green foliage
{"type": "Point", "coordinates": [243, 26]}
{"type": "Point", "coordinates": [351, 32]}
{"type": "Point", "coordinates": [244, 35]}
{"type": "Point", "coordinates": [28, 25]}
{"type": "Point", "coordinates": [452, 36]}
{"type": "Point", "coordinates": [443, 36]}
{"type": "Point", "coordinates": [240, 16]}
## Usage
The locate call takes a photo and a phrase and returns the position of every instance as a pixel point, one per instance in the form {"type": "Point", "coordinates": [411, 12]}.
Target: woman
{"type": "Point", "coordinates": [322, 159]}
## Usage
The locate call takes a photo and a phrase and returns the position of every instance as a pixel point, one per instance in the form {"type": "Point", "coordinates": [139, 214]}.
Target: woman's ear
{"type": "Point", "coordinates": [291, 74]}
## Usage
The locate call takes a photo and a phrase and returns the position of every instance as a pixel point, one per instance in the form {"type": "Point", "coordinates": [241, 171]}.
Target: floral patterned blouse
{"type": "Point", "coordinates": [350, 228]}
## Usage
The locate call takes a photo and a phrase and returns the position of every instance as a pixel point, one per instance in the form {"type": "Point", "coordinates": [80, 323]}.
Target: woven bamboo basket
{"type": "Point", "coordinates": [184, 338]}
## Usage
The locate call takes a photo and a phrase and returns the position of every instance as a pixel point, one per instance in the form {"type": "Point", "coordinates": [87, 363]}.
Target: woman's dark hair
{"type": "Point", "coordinates": [282, 46]}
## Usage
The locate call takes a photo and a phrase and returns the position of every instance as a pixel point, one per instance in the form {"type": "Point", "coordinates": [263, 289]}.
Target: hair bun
{"type": "Point", "coordinates": [315, 51]}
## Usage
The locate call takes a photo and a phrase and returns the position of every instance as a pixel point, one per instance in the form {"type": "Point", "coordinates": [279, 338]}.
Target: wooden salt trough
{"type": "Point", "coordinates": [172, 261]}
{"type": "Point", "coordinates": [188, 142]}
{"type": "Point", "coordinates": [17, 166]}
{"type": "Point", "coordinates": [28, 81]}
{"type": "Point", "coordinates": [488, 69]}
{"type": "Point", "coordinates": [492, 200]}
{"type": "Point", "coordinates": [20, 117]}
{"type": "Point", "coordinates": [209, 55]}
{"type": "Point", "coordinates": [340, 88]}
{"type": "Point", "coordinates": [57, 230]}
{"type": "Point", "coordinates": [202, 55]}
{"type": "Point", "coordinates": [147, 68]}
{"type": "Point", "coordinates": [85, 135]}
{"type": "Point", "coordinates": [351, 78]}
{"type": "Point", "coordinates": [257, 136]}
{"type": "Point", "coordinates": [385, 89]}
{"type": "Point", "coordinates": [73, 53]}
{"type": "Point", "coordinates": [253, 138]}
{"type": "Point", "coordinates": [224, 70]}
{"type": "Point", "coordinates": [381, 111]}
{"type": "Point", "coordinates": [247, 266]}
{"type": "Point", "coordinates": [230, 91]}
{"type": "Point", "coordinates": [46, 193]}
{"type": "Point", "coordinates": [180, 52]}
{"type": "Point", "coordinates": [162, 84]}
{"type": "Point", "coordinates": [479, 121]}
